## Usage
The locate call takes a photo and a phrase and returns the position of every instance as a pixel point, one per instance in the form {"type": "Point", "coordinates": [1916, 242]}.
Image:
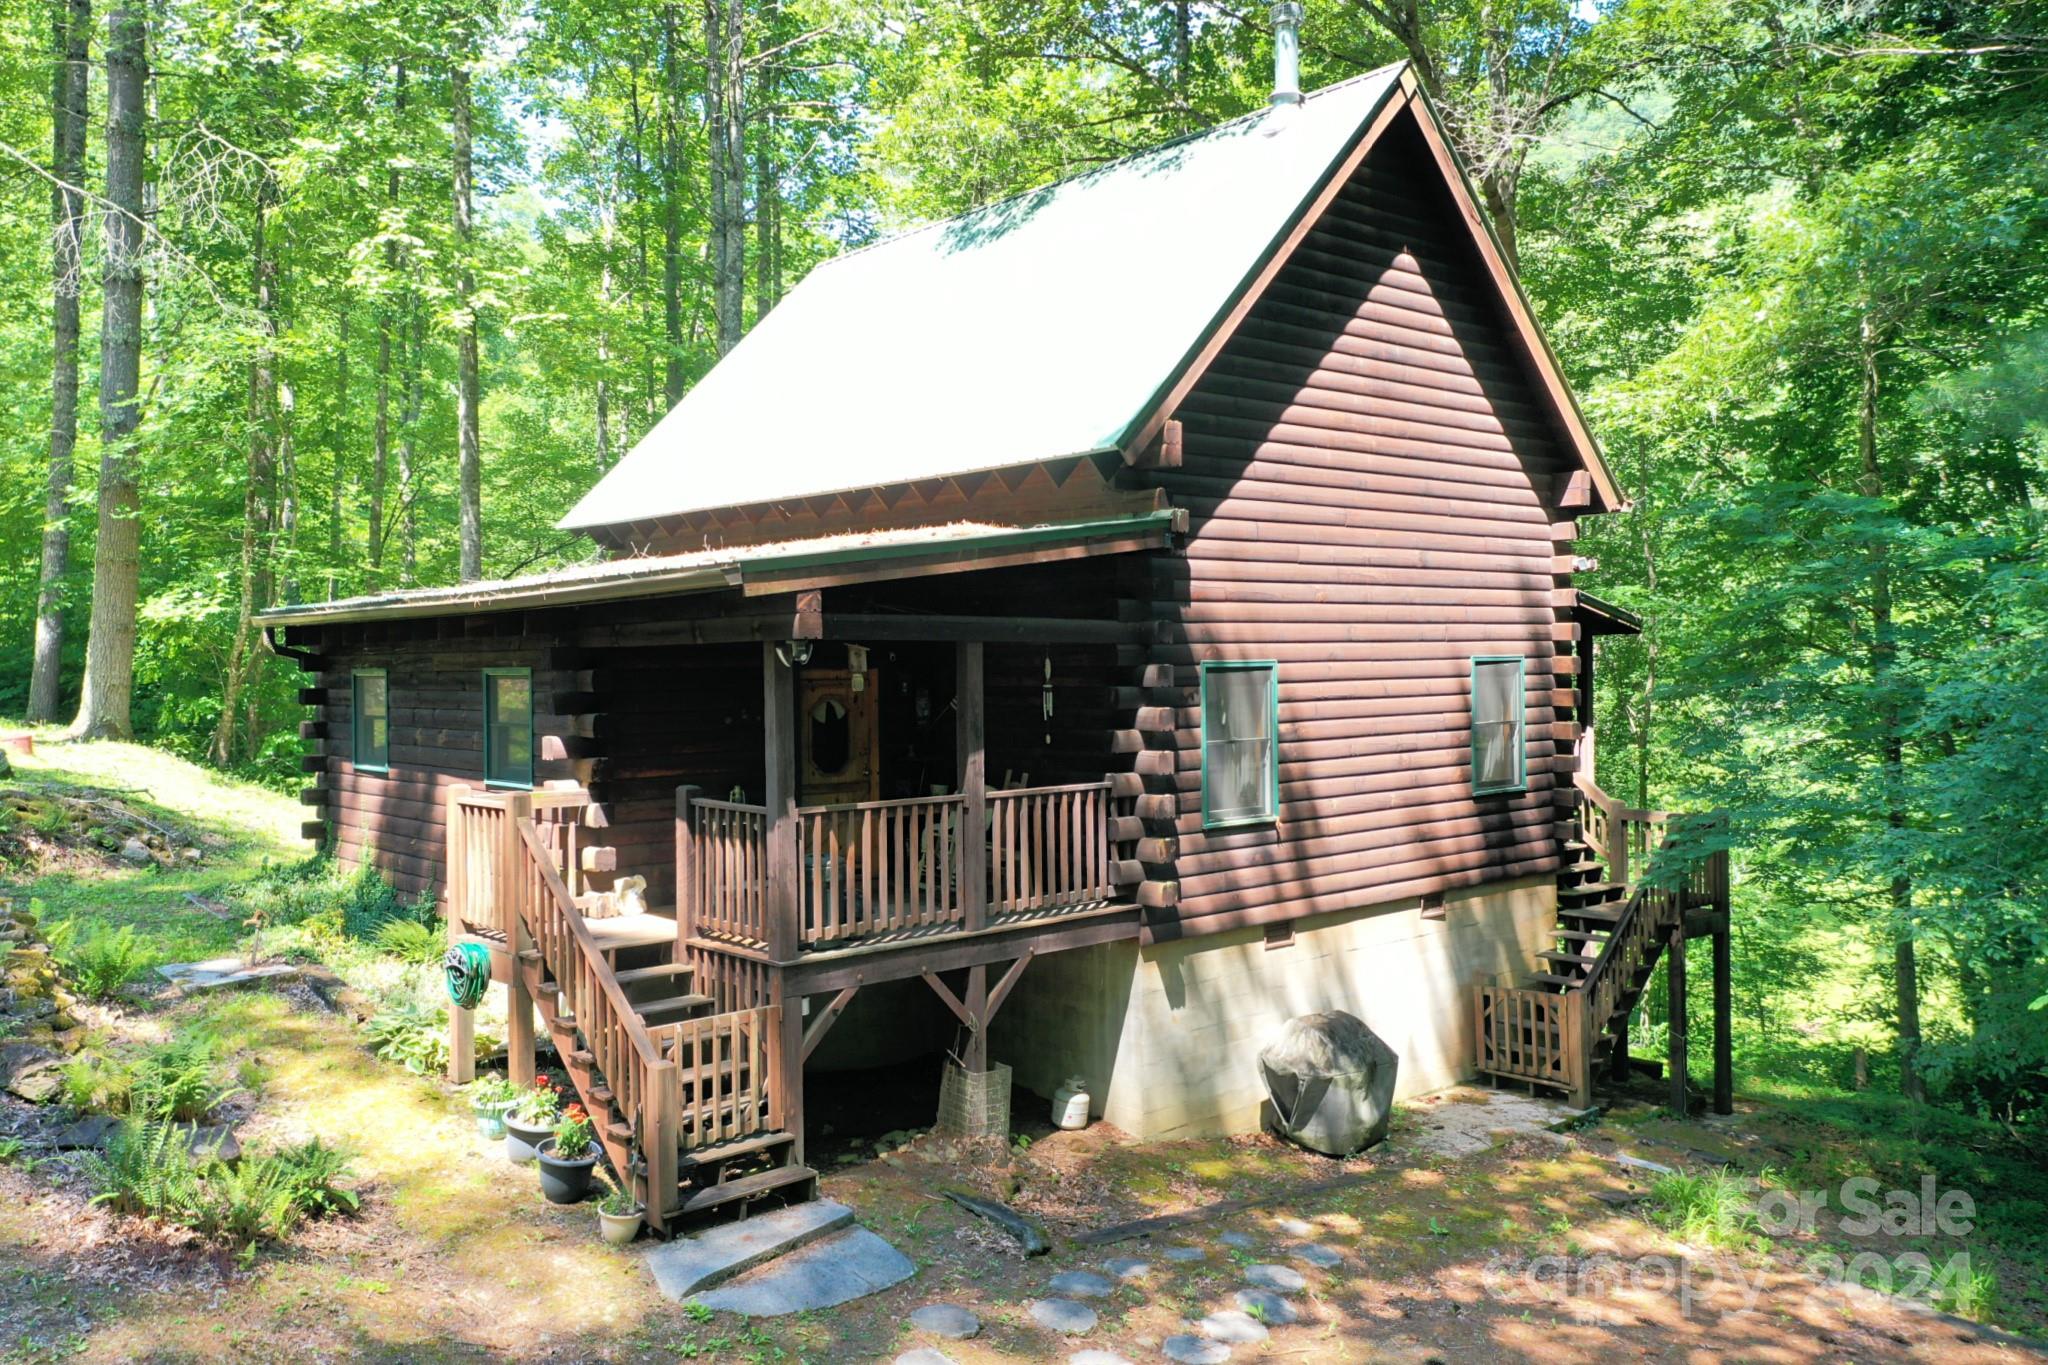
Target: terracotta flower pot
{"type": "Point", "coordinates": [523, 1139]}
{"type": "Point", "coordinates": [564, 1180]}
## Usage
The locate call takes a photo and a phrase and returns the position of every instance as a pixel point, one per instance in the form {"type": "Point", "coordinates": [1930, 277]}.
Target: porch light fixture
{"type": "Point", "coordinates": [794, 654]}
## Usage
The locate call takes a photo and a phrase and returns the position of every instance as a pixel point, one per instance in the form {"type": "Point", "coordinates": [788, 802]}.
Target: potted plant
{"type": "Point", "coordinates": [618, 1214]}
{"type": "Point", "coordinates": [566, 1158]}
{"type": "Point", "coordinates": [531, 1119]}
{"type": "Point", "coordinates": [490, 1099]}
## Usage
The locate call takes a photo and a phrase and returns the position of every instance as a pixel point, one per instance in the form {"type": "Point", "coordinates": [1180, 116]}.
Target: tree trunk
{"type": "Point", "coordinates": [408, 443]}
{"type": "Point", "coordinates": [671, 207]}
{"type": "Point", "coordinates": [337, 488]}
{"type": "Point", "coordinates": [767, 185]}
{"type": "Point", "coordinates": [380, 458]}
{"type": "Point", "coordinates": [103, 710]}
{"type": "Point", "coordinates": [259, 476]}
{"type": "Point", "coordinates": [1892, 758]}
{"type": "Point", "coordinates": [725, 109]}
{"type": "Point", "coordinates": [71, 31]}
{"type": "Point", "coordinates": [468, 388]}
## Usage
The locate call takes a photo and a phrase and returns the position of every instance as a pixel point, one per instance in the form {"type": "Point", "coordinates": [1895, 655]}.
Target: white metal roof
{"type": "Point", "coordinates": [1038, 327]}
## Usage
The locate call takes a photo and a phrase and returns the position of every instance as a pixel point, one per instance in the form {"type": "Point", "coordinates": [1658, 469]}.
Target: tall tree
{"type": "Point", "coordinates": [725, 113]}
{"type": "Point", "coordinates": [469, 393]}
{"type": "Point", "coordinates": [71, 30]}
{"type": "Point", "coordinates": [104, 707]}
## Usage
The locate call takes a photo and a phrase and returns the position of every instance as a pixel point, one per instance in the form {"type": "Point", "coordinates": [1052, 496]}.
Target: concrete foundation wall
{"type": "Point", "coordinates": [1168, 1036]}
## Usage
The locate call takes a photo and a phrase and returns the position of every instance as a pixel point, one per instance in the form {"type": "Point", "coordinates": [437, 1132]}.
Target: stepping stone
{"type": "Point", "coordinates": [1294, 1227]}
{"type": "Point", "coordinates": [1267, 1307]}
{"type": "Point", "coordinates": [947, 1320]}
{"type": "Point", "coordinates": [1063, 1315]}
{"type": "Point", "coordinates": [688, 1264]}
{"type": "Point", "coordinates": [1239, 1240]}
{"type": "Point", "coordinates": [1096, 1358]}
{"type": "Point", "coordinates": [1284, 1278]}
{"type": "Point", "coordinates": [1229, 1325]}
{"type": "Point", "coordinates": [1081, 1284]}
{"type": "Point", "coordinates": [849, 1265]}
{"type": "Point", "coordinates": [1184, 1253]}
{"type": "Point", "coordinates": [1193, 1350]}
{"type": "Point", "coordinates": [1321, 1256]}
{"type": "Point", "coordinates": [1127, 1268]}
{"type": "Point", "coordinates": [221, 972]}
{"type": "Point", "coordinates": [924, 1355]}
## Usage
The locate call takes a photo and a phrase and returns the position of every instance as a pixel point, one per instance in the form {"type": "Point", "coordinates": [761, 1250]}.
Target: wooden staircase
{"type": "Point", "coordinates": [683, 1097]}
{"type": "Point", "coordinates": [1633, 881]}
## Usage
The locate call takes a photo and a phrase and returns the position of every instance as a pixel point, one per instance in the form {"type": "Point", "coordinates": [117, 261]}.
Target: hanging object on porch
{"type": "Point", "coordinates": [1045, 700]}
{"type": "Point", "coordinates": [467, 968]}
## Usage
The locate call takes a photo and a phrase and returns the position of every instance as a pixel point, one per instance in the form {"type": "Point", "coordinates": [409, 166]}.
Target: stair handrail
{"type": "Point", "coordinates": [646, 1084]}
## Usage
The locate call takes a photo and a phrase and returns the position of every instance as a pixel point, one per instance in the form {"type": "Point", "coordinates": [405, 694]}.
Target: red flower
{"type": "Point", "coordinates": [576, 1114]}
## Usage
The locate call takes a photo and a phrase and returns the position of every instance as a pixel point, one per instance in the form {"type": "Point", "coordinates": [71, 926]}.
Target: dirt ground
{"type": "Point", "coordinates": [1529, 1250]}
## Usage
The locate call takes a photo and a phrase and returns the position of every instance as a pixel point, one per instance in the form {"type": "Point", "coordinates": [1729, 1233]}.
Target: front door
{"type": "Point", "coordinates": [836, 719]}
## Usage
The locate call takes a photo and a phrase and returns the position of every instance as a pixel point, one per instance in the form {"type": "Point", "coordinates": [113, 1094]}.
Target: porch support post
{"type": "Point", "coordinates": [1674, 981]}
{"type": "Point", "coordinates": [778, 715]}
{"type": "Point", "coordinates": [970, 742]}
{"type": "Point", "coordinates": [686, 881]}
{"type": "Point", "coordinates": [520, 1063]}
{"type": "Point", "coordinates": [1724, 1019]}
{"type": "Point", "coordinates": [461, 1045]}
{"type": "Point", "coordinates": [1617, 1065]}
{"type": "Point", "coordinates": [977, 1011]}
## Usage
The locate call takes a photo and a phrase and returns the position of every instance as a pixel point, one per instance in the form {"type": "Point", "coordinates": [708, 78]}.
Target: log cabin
{"type": "Point", "coordinates": [1076, 637]}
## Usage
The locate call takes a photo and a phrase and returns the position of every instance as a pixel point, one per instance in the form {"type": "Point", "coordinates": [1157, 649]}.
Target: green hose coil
{"type": "Point", "coordinates": [468, 969]}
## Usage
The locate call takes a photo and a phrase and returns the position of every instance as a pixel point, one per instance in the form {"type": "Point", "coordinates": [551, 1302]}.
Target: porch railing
{"type": "Point", "coordinates": [725, 1073]}
{"type": "Point", "coordinates": [483, 849]}
{"type": "Point", "coordinates": [876, 868]}
{"type": "Point", "coordinates": [1049, 848]}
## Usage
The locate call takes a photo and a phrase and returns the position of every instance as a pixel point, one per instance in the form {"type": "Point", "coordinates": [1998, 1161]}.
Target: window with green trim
{"type": "Point", "coordinates": [370, 721]}
{"type": "Point", "coordinates": [1499, 712]}
{"type": "Point", "coordinates": [1240, 743]}
{"type": "Point", "coordinates": [508, 727]}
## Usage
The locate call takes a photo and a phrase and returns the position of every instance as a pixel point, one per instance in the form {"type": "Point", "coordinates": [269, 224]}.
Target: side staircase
{"type": "Point", "coordinates": [684, 1097]}
{"type": "Point", "coordinates": [1632, 880]}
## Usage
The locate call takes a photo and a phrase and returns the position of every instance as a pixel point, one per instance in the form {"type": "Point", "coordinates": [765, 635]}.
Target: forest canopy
{"type": "Point", "coordinates": [306, 299]}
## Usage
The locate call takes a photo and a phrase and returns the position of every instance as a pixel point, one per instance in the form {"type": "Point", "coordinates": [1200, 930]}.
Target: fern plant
{"type": "Point", "coordinates": [411, 941]}
{"type": "Point", "coordinates": [178, 1080]}
{"type": "Point", "coordinates": [313, 1171]}
{"type": "Point", "coordinates": [102, 965]}
{"type": "Point", "coordinates": [145, 1169]}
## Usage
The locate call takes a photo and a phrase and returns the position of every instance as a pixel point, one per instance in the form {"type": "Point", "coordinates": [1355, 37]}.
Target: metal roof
{"type": "Point", "coordinates": [707, 570]}
{"type": "Point", "coordinates": [1036, 328]}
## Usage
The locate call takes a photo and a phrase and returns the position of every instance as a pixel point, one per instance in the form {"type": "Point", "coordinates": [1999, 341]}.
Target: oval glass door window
{"type": "Point", "coordinates": [831, 736]}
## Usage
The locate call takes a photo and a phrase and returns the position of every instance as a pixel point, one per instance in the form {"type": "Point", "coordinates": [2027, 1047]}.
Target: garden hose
{"type": "Point", "coordinates": [468, 969]}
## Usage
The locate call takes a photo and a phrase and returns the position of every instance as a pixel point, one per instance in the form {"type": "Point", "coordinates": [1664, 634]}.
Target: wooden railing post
{"type": "Point", "coordinates": [456, 839]}
{"type": "Point", "coordinates": [510, 879]}
{"type": "Point", "coordinates": [778, 711]}
{"type": "Point", "coordinates": [686, 870]}
{"type": "Point", "coordinates": [971, 743]}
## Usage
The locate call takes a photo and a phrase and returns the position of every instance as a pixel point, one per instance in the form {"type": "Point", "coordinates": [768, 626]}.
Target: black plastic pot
{"type": "Point", "coordinates": [564, 1181]}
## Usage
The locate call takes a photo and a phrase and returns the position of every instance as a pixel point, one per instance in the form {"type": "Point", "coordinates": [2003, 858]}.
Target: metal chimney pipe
{"type": "Point", "coordinates": [1286, 54]}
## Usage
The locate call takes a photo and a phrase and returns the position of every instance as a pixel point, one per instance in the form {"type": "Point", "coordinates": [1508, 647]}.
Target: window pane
{"type": "Point", "coordinates": [510, 704]}
{"type": "Point", "coordinates": [1496, 724]}
{"type": "Point", "coordinates": [1238, 752]}
{"type": "Point", "coordinates": [373, 724]}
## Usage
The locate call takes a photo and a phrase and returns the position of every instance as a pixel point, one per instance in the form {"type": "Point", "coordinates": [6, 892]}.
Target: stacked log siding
{"type": "Point", "coordinates": [1369, 474]}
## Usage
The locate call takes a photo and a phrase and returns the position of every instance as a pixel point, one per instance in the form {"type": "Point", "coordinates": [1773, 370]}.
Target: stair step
{"type": "Point", "coordinates": [683, 969]}
{"type": "Point", "coordinates": [1552, 979]}
{"type": "Point", "coordinates": [579, 1057]}
{"type": "Point", "coordinates": [620, 1132]}
{"type": "Point", "coordinates": [1594, 891]}
{"type": "Point", "coordinates": [601, 1094]}
{"type": "Point", "coordinates": [1603, 914]}
{"type": "Point", "coordinates": [673, 1004]}
{"type": "Point", "coordinates": [1576, 959]}
{"type": "Point", "coordinates": [529, 954]}
{"type": "Point", "coordinates": [738, 1147]}
{"type": "Point", "coordinates": [748, 1187]}
{"type": "Point", "coordinates": [1582, 935]}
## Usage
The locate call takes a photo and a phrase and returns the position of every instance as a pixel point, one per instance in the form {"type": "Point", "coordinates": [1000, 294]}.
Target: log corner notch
{"type": "Point", "coordinates": [313, 732]}
{"type": "Point", "coordinates": [1145, 832]}
{"type": "Point", "coordinates": [1568, 668]}
{"type": "Point", "coordinates": [1162, 451]}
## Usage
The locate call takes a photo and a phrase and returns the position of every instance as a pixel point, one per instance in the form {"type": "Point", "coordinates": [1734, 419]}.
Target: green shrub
{"type": "Point", "coordinates": [150, 1170]}
{"type": "Point", "coordinates": [145, 1169]}
{"type": "Point", "coordinates": [1707, 1208]}
{"type": "Point", "coordinates": [178, 1080]}
{"type": "Point", "coordinates": [411, 1035]}
{"type": "Point", "coordinates": [97, 1084]}
{"type": "Point", "coordinates": [312, 1171]}
{"type": "Point", "coordinates": [368, 903]}
{"type": "Point", "coordinates": [101, 965]}
{"type": "Point", "coordinates": [411, 941]}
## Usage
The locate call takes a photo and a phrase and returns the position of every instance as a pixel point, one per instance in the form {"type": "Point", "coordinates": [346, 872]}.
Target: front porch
{"type": "Point", "coordinates": [686, 1024]}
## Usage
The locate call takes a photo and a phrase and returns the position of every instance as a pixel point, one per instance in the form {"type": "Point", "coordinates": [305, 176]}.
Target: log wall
{"type": "Point", "coordinates": [1370, 477]}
